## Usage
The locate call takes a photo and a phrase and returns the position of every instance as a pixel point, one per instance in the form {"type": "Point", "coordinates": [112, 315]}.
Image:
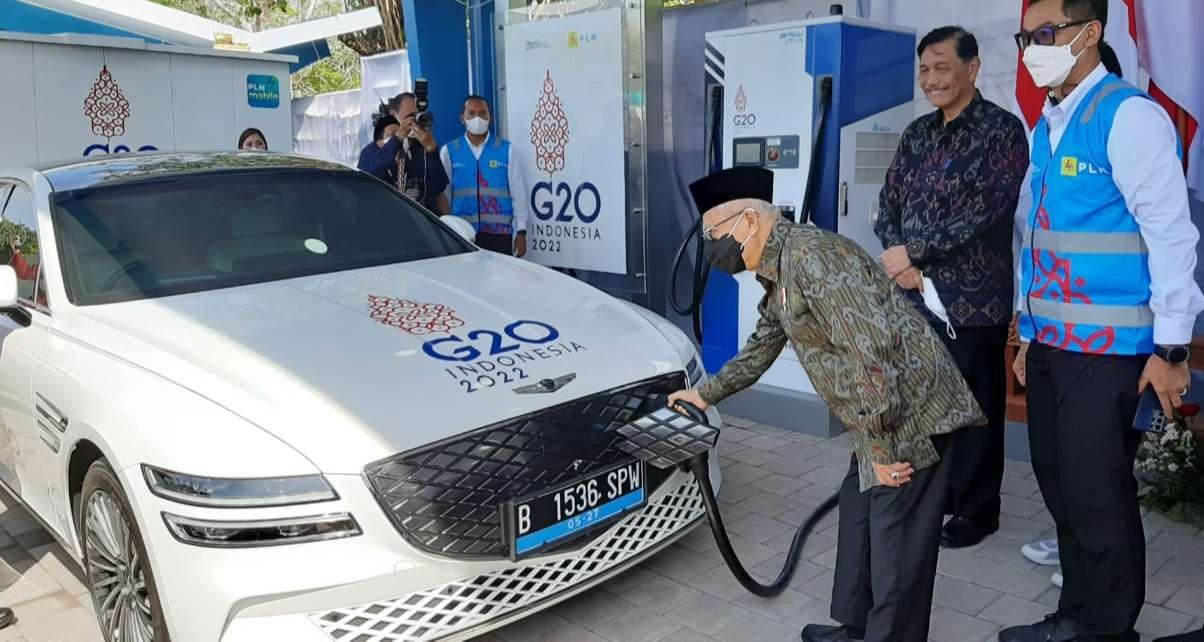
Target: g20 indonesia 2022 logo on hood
{"type": "Point", "coordinates": [107, 108]}
{"type": "Point", "coordinates": [477, 359]}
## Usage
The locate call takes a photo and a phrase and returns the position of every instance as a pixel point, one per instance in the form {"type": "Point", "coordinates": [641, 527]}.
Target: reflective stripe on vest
{"type": "Point", "coordinates": [1084, 265]}
{"type": "Point", "coordinates": [1087, 242]}
{"type": "Point", "coordinates": [480, 187]}
{"type": "Point", "coordinates": [1125, 316]}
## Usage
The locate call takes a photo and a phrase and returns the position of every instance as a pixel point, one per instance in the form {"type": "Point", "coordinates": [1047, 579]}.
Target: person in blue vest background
{"type": "Point", "coordinates": [487, 186]}
{"type": "Point", "coordinates": [1108, 301]}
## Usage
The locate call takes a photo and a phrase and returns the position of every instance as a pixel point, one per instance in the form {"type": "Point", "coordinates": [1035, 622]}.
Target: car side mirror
{"type": "Point", "coordinates": [8, 287]}
{"type": "Point", "coordinates": [461, 227]}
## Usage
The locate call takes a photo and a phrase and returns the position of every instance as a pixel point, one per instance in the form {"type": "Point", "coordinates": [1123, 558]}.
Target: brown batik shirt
{"type": "Point", "coordinates": [869, 353]}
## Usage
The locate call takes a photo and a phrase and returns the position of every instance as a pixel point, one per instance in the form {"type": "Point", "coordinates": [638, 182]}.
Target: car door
{"type": "Point", "coordinates": [23, 330]}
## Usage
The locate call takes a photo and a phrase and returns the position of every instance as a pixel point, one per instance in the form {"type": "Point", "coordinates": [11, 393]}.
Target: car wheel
{"type": "Point", "coordinates": [122, 583]}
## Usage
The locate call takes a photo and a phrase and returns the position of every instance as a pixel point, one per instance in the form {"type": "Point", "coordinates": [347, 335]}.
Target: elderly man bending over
{"type": "Point", "coordinates": [881, 369]}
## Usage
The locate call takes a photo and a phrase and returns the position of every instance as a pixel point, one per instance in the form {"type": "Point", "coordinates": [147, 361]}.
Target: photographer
{"type": "Point", "coordinates": [408, 158]}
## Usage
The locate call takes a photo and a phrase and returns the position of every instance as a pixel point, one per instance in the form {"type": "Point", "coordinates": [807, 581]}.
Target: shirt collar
{"type": "Point", "coordinates": [483, 143]}
{"type": "Point", "coordinates": [1069, 104]}
{"type": "Point", "coordinates": [969, 116]}
{"type": "Point", "coordinates": [771, 256]}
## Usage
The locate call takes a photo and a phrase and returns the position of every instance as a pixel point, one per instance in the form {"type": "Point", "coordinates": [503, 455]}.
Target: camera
{"type": "Point", "coordinates": [424, 118]}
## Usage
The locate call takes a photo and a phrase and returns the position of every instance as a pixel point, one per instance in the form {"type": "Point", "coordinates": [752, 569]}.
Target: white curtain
{"type": "Point", "coordinates": [330, 126]}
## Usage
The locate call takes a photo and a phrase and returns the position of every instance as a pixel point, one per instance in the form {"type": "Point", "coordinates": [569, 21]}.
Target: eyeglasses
{"type": "Point", "coordinates": [706, 234]}
{"type": "Point", "coordinates": [1044, 36]}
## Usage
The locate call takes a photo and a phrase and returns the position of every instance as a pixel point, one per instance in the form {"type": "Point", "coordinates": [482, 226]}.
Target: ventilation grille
{"type": "Point", "coordinates": [444, 498]}
{"type": "Point", "coordinates": [458, 606]}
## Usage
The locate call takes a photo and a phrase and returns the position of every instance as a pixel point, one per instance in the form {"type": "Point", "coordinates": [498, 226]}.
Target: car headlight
{"type": "Point", "coordinates": [237, 493]}
{"type": "Point", "coordinates": [265, 532]}
{"type": "Point", "coordinates": [695, 371]}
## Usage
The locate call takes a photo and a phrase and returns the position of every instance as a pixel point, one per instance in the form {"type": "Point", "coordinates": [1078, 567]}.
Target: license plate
{"type": "Point", "coordinates": [538, 521]}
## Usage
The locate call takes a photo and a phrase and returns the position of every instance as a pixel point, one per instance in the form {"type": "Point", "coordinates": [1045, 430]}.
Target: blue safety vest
{"type": "Point", "coordinates": [1084, 269]}
{"type": "Point", "coordinates": [481, 187]}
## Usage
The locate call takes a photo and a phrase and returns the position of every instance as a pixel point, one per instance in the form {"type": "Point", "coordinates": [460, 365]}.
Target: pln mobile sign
{"type": "Point", "coordinates": [564, 109]}
{"type": "Point", "coordinates": [263, 92]}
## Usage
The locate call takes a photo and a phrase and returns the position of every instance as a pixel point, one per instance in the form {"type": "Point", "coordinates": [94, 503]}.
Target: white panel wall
{"type": "Point", "coordinates": [17, 143]}
{"type": "Point", "coordinates": [205, 118]}
{"type": "Point", "coordinates": [173, 101]}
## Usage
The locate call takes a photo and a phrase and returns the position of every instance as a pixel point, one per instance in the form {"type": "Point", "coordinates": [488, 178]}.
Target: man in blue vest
{"type": "Point", "coordinates": [487, 186]}
{"type": "Point", "coordinates": [1108, 302]}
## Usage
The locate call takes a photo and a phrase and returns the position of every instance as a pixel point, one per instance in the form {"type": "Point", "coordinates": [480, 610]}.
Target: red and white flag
{"type": "Point", "coordinates": [1152, 39]}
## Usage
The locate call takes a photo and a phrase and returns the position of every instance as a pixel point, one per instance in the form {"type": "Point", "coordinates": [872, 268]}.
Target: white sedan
{"type": "Point", "coordinates": [263, 397]}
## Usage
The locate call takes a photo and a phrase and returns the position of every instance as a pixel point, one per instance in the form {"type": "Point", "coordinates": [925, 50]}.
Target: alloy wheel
{"type": "Point", "coordinates": [116, 572]}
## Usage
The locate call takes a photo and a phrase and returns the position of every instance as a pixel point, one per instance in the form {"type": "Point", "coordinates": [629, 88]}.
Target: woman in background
{"type": "Point", "coordinates": [252, 139]}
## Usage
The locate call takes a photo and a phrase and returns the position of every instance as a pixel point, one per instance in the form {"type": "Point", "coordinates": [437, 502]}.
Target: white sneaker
{"type": "Point", "coordinates": [1044, 552]}
{"type": "Point", "coordinates": [1056, 579]}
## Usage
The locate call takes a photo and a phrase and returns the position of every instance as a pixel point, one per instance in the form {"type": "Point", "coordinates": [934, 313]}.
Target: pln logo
{"type": "Point", "coordinates": [743, 118]}
{"type": "Point", "coordinates": [263, 92]}
{"type": "Point", "coordinates": [1072, 167]}
{"type": "Point", "coordinates": [107, 109]}
{"type": "Point", "coordinates": [576, 39]}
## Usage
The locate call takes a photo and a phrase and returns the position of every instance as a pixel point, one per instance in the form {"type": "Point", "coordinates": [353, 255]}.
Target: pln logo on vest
{"type": "Point", "coordinates": [1072, 167]}
{"type": "Point", "coordinates": [558, 202]}
{"type": "Point", "coordinates": [107, 109]}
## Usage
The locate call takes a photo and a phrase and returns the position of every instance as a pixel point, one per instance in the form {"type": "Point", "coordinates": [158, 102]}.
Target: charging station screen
{"type": "Point", "coordinates": [748, 154]}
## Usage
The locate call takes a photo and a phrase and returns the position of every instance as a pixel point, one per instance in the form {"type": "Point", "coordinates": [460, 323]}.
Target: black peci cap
{"type": "Point", "coordinates": [732, 184]}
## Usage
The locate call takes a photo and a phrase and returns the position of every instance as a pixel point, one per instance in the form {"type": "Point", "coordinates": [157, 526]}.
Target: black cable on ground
{"type": "Point", "coordinates": [699, 465]}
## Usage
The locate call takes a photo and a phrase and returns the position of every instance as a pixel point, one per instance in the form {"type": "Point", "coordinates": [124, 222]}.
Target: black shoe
{"type": "Point", "coordinates": [1054, 628]}
{"type": "Point", "coordinates": [960, 532]}
{"type": "Point", "coordinates": [829, 633]}
{"type": "Point", "coordinates": [6, 617]}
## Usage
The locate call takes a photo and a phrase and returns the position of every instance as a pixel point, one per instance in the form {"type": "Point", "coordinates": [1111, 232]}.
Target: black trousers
{"type": "Point", "coordinates": [976, 474]}
{"type": "Point", "coordinates": [886, 553]}
{"type": "Point", "coordinates": [500, 243]}
{"type": "Point", "coordinates": [1080, 418]}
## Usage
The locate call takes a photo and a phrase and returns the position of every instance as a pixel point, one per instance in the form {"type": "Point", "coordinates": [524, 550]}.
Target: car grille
{"type": "Point", "coordinates": [470, 606]}
{"type": "Point", "coordinates": [444, 498]}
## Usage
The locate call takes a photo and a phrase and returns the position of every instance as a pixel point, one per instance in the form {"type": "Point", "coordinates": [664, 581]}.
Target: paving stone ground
{"type": "Point", "coordinates": [773, 478]}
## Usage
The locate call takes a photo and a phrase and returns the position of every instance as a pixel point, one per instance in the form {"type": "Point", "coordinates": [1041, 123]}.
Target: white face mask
{"type": "Point", "coordinates": [1050, 65]}
{"type": "Point", "coordinates": [477, 126]}
{"type": "Point", "coordinates": [932, 301]}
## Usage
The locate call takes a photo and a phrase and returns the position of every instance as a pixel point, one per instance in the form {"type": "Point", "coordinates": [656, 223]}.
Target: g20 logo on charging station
{"type": "Point", "coordinates": [107, 108]}
{"type": "Point", "coordinates": [551, 200]}
{"type": "Point", "coordinates": [743, 118]}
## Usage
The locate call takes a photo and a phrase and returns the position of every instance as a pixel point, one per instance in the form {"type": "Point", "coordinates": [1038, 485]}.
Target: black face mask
{"type": "Point", "coordinates": [725, 254]}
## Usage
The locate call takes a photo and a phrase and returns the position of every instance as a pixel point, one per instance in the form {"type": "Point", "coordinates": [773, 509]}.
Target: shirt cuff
{"type": "Point", "coordinates": [881, 450]}
{"type": "Point", "coordinates": [915, 250]}
{"type": "Point", "coordinates": [1170, 331]}
{"type": "Point", "coordinates": [710, 393]}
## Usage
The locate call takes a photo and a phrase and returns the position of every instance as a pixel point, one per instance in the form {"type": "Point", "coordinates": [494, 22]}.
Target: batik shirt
{"type": "Point", "coordinates": [870, 355]}
{"type": "Point", "coordinates": [950, 200]}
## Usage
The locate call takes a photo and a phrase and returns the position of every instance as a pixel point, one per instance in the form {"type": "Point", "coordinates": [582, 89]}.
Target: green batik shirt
{"type": "Point", "coordinates": [869, 353]}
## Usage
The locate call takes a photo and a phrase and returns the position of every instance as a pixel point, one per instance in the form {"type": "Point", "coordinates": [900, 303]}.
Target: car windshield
{"type": "Point", "coordinates": [206, 231]}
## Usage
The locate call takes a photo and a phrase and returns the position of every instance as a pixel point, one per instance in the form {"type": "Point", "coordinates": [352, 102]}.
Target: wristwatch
{"type": "Point", "coordinates": [1174, 355]}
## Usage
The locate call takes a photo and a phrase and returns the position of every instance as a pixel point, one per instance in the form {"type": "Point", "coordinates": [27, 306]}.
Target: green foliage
{"type": "Point", "coordinates": [8, 230]}
{"type": "Point", "coordinates": [339, 72]}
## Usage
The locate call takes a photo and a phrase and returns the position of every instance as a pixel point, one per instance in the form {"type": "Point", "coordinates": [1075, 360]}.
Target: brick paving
{"type": "Point", "coordinates": [772, 479]}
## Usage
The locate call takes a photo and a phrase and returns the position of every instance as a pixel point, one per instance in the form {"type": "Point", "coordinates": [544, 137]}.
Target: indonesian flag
{"type": "Point", "coordinates": [1153, 40]}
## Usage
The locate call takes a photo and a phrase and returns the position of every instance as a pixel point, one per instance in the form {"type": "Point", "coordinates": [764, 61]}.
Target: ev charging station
{"type": "Point", "coordinates": [837, 87]}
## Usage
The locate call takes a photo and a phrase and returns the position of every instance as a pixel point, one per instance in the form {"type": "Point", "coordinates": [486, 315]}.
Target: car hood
{"type": "Point", "coordinates": [354, 366]}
